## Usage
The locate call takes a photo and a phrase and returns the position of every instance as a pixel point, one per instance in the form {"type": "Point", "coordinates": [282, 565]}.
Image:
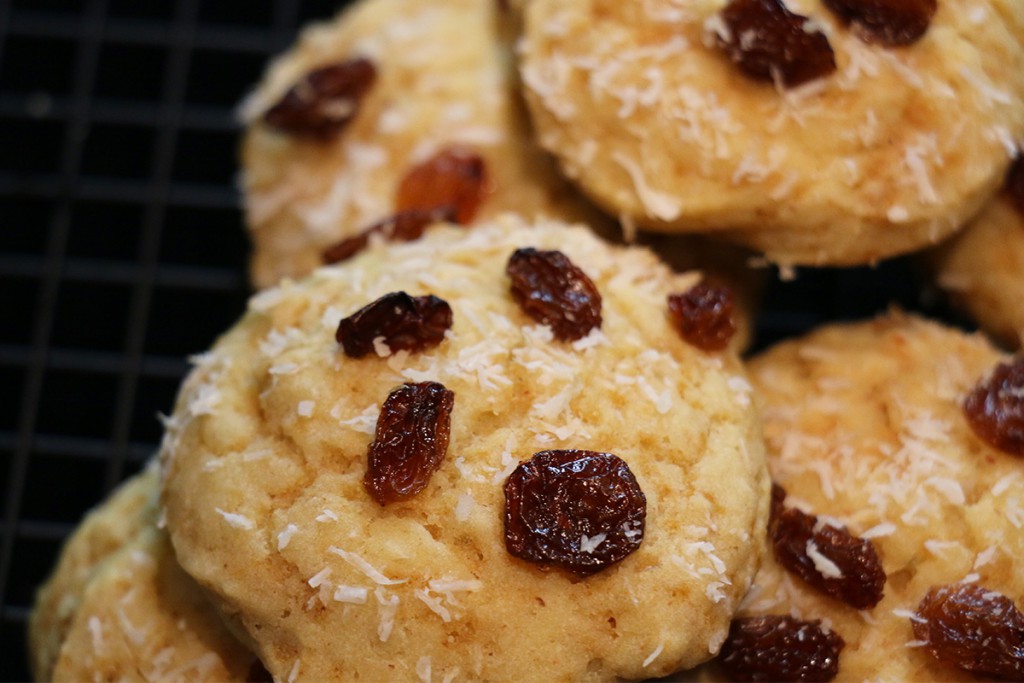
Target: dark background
{"type": "Point", "coordinates": [122, 249]}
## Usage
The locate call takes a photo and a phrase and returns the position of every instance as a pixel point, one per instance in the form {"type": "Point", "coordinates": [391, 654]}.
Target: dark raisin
{"type": "Point", "coordinates": [553, 291]}
{"type": "Point", "coordinates": [454, 177]}
{"type": "Point", "coordinates": [403, 322]}
{"type": "Point", "coordinates": [777, 507]}
{"type": "Point", "coordinates": [847, 568]}
{"type": "Point", "coordinates": [1015, 183]}
{"type": "Point", "coordinates": [410, 441]}
{"type": "Point", "coordinates": [780, 648]}
{"type": "Point", "coordinates": [323, 102]}
{"type": "Point", "coordinates": [703, 315]}
{"type": "Point", "coordinates": [579, 510]}
{"type": "Point", "coordinates": [890, 23]}
{"type": "Point", "coordinates": [770, 43]}
{"type": "Point", "coordinates": [995, 408]}
{"type": "Point", "coordinates": [401, 227]}
{"type": "Point", "coordinates": [973, 628]}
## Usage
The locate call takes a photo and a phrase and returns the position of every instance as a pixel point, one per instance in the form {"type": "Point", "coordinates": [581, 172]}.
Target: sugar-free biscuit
{"type": "Point", "coordinates": [865, 428]}
{"type": "Point", "coordinates": [270, 505]}
{"type": "Point", "coordinates": [118, 606]}
{"type": "Point", "coordinates": [981, 267]}
{"type": "Point", "coordinates": [890, 152]}
{"type": "Point", "coordinates": [443, 79]}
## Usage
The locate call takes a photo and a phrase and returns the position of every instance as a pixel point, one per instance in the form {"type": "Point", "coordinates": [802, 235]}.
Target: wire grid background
{"type": "Point", "coordinates": [122, 249]}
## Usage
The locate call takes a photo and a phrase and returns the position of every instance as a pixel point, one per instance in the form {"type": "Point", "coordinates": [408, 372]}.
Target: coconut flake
{"type": "Point", "coordinates": [823, 565]}
{"type": "Point", "coordinates": [285, 537]}
{"type": "Point", "coordinates": [236, 520]}
{"type": "Point", "coordinates": [365, 567]}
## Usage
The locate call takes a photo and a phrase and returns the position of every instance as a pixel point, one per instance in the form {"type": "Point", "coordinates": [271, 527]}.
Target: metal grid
{"type": "Point", "coordinates": [121, 246]}
{"type": "Point", "coordinates": [122, 250]}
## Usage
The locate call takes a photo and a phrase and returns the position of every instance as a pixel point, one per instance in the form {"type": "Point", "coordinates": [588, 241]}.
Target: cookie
{"type": "Point", "coordinates": [101, 534]}
{"type": "Point", "coordinates": [431, 115]}
{"type": "Point", "coordinates": [648, 112]}
{"type": "Point", "coordinates": [118, 606]}
{"type": "Point", "coordinates": [866, 429]}
{"type": "Point", "coordinates": [278, 499]}
{"type": "Point", "coordinates": [980, 268]}
{"type": "Point", "coordinates": [142, 618]}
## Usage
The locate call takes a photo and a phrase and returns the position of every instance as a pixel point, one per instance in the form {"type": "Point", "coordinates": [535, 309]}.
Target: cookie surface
{"type": "Point", "coordinates": [118, 606]}
{"type": "Point", "coordinates": [864, 427]}
{"type": "Point", "coordinates": [264, 463]}
{"type": "Point", "coordinates": [980, 269]}
{"type": "Point", "coordinates": [444, 78]}
{"type": "Point", "coordinates": [889, 153]}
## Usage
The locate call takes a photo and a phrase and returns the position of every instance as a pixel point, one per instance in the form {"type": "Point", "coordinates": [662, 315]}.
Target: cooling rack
{"type": "Point", "coordinates": [122, 249]}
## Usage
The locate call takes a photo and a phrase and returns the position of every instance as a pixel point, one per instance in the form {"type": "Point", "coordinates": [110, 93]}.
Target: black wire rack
{"type": "Point", "coordinates": [122, 249]}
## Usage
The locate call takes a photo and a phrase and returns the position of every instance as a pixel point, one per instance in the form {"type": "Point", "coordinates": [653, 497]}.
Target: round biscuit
{"type": "Point", "coordinates": [864, 426]}
{"type": "Point", "coordinates": [264, 459]}
{"type": "Point", "coordinates": [890, 153]}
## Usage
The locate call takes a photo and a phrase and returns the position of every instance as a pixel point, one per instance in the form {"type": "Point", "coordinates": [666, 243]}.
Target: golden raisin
{"type": "Point", "coordinates": [770, 43]}
{"type": "Point", "coordinates": [579, 510]}
{"type": "Point", "coordinates": [402, 322]}
{"type": "Point", "coordinates": [891, 23]}
{"type": "Point", "coordinates": [780, 648]}
{"type": "Point", "coordinates": [995, 408]}
{"type": "Point", "coordinates": [703, 315]}
{"type": "Point", "coordinates": [973, 628]}
{"type": "Point", "coordinates": [553, 291]}
{"type": "Point", "coordinates": [830, 559]}
{"type": "Point", "coordinates": [455, 178]}
{"type": "Point", "coordinates": [323, 102]}
{"type": "Point", "coordinates": [401, 227]}
{"type": "Point", "coordinates": [410, 441]}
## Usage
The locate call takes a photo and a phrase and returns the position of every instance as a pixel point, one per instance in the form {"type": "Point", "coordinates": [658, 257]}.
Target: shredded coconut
{"type": "Point", "coordinates": [823, 565]}
{"type": "Point", "coordinates": [654, 655]}
{"type": "Point", "coordinates": [285, 537]}
{"type": "Point", "coordinates": [236, 520]}
{"type": "Point", "coordinates": [365, 567]}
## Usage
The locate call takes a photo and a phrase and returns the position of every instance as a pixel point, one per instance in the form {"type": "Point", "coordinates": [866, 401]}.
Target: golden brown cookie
{"type": "Point", "coordinates": [896, 148]}
{"type": "Point", "coordinates": [102, 533]}
{"type": "Point", "coordinates": [982, 268]}
{"type": "Point", "coordinates": [118, 606]}
{"type": "Point", "coordinates": [866, 429]}
{"type": "Point", "coordinates": [419, 81]}
{"type": "Point", "coordinates": [266, 463]}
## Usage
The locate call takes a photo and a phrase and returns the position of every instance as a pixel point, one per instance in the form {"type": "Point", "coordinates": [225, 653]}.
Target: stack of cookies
{"type": "Point", "coordinates": [487, 417]}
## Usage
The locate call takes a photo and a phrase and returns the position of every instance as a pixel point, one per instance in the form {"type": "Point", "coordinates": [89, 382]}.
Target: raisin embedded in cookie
{"type": "Point", "coordinates": [358, 515]}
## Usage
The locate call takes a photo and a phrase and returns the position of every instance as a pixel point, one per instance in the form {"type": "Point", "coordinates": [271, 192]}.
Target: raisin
{"type": "Point", "coordinates": [410, 441]}
{"type": "Point", "coordinates": [847, 568]}
{"type": "Point", "coordinates": [770, 43]}
{"type": "Point", "coordinates": [553, 291]}
{"type": "Point", "coordinates": [454, 177]}
{"type": "Point", "coordinates": [973, 628]}
{"type": "Point", "coordinates": [323, 102]}
{"type": "Point", "coordinates": [780, 648]}
{"type": "Point", "coordinates": [403, 322]}
{"type": "Point", "coordinates": [579, 510]}
{"type": "Point", "coordinates": [890, 23]}
{"type": "Point", "coordinates": [704, 316]}
{"type": "Point", "coordinates": [1015, 183]}
{"type": "Point", "coordinates": [995, 408]}
{"type": "Point", "coordinates": [401, 227]}
{"type": "Point", "coordinates": [777, 507]}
